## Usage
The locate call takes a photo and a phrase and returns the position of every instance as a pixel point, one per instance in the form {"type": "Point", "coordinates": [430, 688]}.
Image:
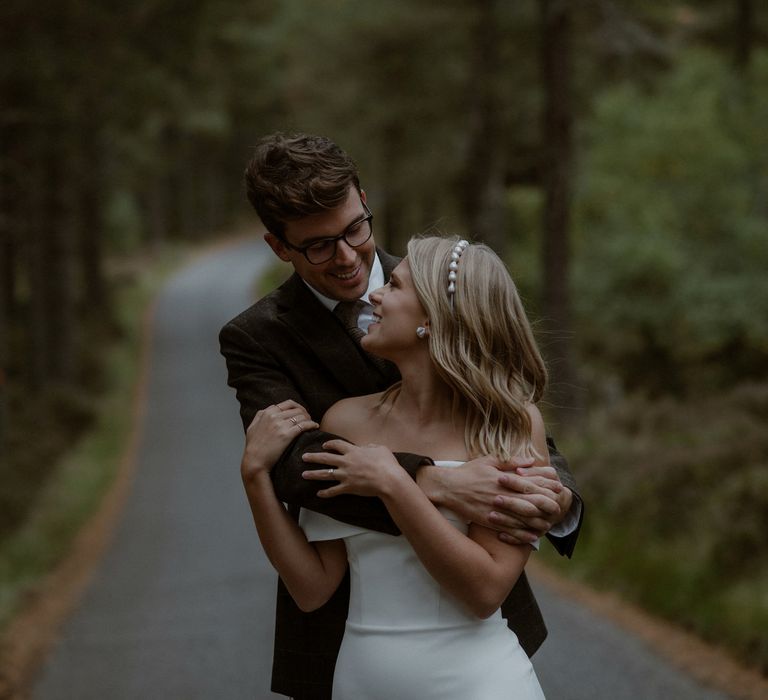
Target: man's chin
{"type": "Point", "coordinates": [347, 295]}
{"type": "Point", "coordinates": [344, 292]}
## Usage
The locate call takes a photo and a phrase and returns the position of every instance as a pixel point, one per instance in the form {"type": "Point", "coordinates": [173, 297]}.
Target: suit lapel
{"type": "Point", "coordinates": [315, 326]}
{"type": "Point", "coordinates": [388, 263]}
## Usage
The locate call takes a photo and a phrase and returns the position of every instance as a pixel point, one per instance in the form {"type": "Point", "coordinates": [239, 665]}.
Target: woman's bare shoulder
{"type": "Point", "coordinates": [346, 415]}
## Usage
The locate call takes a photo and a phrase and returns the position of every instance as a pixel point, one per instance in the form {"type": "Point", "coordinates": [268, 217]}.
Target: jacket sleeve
{"type": "Point", "coordinates": [565, 545]}
{"type": "Point", "coordinates": [363, 511]}
{"type": "Point", "coordinates": [260, 381]}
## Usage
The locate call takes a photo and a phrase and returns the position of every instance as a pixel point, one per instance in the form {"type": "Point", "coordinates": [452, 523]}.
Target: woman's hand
{"type": "Point", "coordinates": [370, 470]}
{"type": "Point", "coordinates": [270, 432]}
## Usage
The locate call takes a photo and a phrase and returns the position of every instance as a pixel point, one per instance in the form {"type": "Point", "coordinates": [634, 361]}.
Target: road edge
{"type": "Point", "coordinates": [708, 664]}
{"type": "Point", "coordinates": [34, 630]}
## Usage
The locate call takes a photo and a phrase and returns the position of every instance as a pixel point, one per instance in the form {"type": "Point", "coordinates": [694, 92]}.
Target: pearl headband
{"type": "Point", "coordinates": [458, 251]}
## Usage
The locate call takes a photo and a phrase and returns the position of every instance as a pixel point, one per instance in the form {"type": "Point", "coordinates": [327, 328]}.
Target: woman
{"type": "Point", "coordinates": [424, 619]}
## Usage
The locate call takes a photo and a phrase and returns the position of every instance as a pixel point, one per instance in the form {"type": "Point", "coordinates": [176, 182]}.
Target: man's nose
{"type": "Point", "coordinates": [345, 253]}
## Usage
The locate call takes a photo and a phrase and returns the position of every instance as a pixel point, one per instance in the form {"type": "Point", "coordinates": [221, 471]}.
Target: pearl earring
{"type": "Point", "coordinates": [422, 332]}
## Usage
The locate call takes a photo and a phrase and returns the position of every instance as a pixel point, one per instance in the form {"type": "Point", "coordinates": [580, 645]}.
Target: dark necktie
{"type": "Point", "coordinates": [348, 313]}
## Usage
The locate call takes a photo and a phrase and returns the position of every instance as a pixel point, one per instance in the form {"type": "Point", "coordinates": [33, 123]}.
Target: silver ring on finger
{"type": "Point", "coordinates": [293, 420]}
{"type": "Point", "coordinates": [330, 471]}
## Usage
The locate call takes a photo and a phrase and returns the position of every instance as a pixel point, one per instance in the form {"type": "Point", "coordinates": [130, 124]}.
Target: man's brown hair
{"type": "Point", "coordinates": [293, 176]}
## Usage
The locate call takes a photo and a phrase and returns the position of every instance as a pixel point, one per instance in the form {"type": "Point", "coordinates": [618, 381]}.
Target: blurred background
{"type": "Point", "coordinates": [614, 152]}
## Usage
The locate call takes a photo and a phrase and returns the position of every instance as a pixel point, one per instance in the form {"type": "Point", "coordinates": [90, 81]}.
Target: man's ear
{"type": "Point", "coordinates": [278, 248]}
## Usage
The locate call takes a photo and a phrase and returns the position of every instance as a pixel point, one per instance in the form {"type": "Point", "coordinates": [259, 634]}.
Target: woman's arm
{"type": "Point", "coordinates": [311, 571]}
{"type": "Point", "coordinates": [477, 569]}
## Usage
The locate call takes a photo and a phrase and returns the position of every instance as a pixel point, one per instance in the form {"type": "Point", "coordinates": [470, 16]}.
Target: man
{"type": "Point", "coordinates": [296, 344]}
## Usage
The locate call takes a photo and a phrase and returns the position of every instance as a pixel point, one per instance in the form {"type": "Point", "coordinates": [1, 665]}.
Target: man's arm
{"type": "Point", "coordinates": [365, 511]}
{"type": "Point", "coordinates": [564, 538]}
{"type": "Point", "coordinates": [523, 503]}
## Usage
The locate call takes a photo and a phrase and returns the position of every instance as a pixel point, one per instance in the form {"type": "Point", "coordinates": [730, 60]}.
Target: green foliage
{"type": "Point", "coordinates": [123, 221]}
{"type": "Point", "coordinates": [672, 239]}
{"type": "Point", "coordinates": [677, 495]}
{"type": "Point", "coordinates": [277, 273]}
{"type": "Point", "coordinates": [31, 449]}
{"type": "Point", "coordinates": [524, 259]}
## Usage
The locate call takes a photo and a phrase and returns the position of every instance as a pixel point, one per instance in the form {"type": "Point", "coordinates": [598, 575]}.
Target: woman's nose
{"type": "Point", "coordinates": [375, 296]}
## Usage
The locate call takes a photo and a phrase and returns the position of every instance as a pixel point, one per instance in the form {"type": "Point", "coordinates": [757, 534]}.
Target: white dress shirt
{"type": "Point", "coordinates": [375, 281]}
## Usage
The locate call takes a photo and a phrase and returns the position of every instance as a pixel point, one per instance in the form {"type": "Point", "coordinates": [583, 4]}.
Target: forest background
{"type": "Point", "coordinates": [615, 152]}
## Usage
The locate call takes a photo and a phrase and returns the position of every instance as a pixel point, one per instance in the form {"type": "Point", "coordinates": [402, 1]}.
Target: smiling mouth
{"type": "Point", "coordinates": [346, 275]}
{"type": "Point", "coordinates": [376, 317]}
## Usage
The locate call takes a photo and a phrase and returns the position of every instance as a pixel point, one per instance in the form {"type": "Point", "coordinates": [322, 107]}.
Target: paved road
{"type": "Point", "coordinates": [181, 606]}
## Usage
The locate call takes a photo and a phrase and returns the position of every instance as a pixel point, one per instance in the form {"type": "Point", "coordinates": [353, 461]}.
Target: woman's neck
{"type": "Point", "coordinates": [424, 398]}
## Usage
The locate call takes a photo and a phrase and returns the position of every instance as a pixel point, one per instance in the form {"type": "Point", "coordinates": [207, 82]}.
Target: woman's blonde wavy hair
{"type": "Point", "coordinates": [483, 346]}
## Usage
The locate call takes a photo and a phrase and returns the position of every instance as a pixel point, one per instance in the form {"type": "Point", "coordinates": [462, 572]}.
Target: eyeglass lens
{"type": "Point", "coordinates": [355, 236]}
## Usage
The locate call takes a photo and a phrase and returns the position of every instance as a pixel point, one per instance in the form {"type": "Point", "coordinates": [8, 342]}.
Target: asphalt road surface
{"type": "Point", "coordinates": [181, 606]}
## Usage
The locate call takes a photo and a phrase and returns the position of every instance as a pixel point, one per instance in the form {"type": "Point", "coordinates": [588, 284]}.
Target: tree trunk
{"type": "Point", "coordinates": [393, 237]}
{"type": "Point", "coordinates": [57, 262]}
{"type": "Point", "coordinates": [745, 34]}
{"type": "Point", "coordinates": [90, 222]}
{"type": "Point", "coordinates": [481, 185]}
{"type": "Point", "coordinates": [557, 151]}
{"type": "Point", "coordinates": [186, 186]}
{"type": "Point", "coordinates": [36, 335]}
{"type": "Point", "coordinates": [6, 293]}
{"type": "Point", "coordinates": [155, 208]}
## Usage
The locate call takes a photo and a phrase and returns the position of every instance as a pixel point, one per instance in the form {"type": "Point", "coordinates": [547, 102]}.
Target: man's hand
{"type": "Point", "coordinates": [529, 509]}
{"type": "Point", "coordinates": [520, 501]}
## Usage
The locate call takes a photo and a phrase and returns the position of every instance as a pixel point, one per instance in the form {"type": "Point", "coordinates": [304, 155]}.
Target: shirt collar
{"type": "Point", "coordinates": [375, 280]}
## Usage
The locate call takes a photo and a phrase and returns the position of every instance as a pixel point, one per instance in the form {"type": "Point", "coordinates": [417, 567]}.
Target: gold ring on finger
{"type": "Point", "coordinates": [293, 420]}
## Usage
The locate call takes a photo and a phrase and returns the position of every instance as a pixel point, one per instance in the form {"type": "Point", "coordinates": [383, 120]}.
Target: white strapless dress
{"type": "Point", "coordinates": [407, 638]}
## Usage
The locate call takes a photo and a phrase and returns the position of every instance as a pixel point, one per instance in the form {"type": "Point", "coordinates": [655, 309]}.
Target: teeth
{"type": "Point", "coordinates": [347, 276]}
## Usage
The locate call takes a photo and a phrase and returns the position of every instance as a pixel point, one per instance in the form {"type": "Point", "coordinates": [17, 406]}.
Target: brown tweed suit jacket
{"type": "Point", "coordinates": [289, 346]}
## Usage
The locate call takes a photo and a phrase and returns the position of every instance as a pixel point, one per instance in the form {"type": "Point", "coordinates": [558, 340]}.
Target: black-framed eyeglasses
{"type": "Point", "coordinates": [355, 235]}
